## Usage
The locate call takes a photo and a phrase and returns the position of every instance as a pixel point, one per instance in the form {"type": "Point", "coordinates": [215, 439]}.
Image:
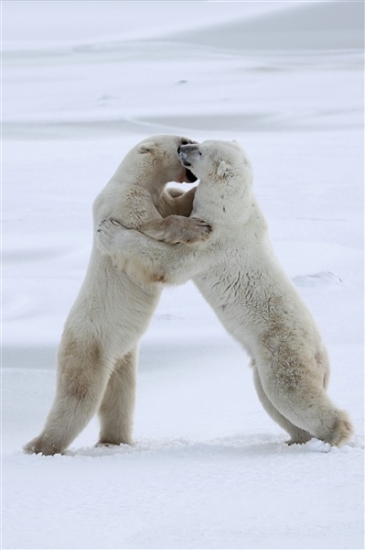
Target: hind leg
{"type": "Point", "coordinates": [299, 396]}
{"type": "Point", "coordinates": [82, 379]}
{"type": "Point", "coordinates": [117, 408]}
{"type": "Point", "coordinates": [297, 435]}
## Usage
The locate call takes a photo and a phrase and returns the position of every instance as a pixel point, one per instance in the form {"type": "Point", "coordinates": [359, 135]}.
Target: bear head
{"type": "Point", "coordinates": [160, 152]}
{"type": "Point", "coordinates": [217, 161]}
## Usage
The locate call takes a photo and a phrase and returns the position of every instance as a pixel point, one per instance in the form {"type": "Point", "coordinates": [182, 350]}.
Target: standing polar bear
{"type": "Point", "coordinates": [98, 351]}
{"type": "Point", "coordinates": [238, 274]}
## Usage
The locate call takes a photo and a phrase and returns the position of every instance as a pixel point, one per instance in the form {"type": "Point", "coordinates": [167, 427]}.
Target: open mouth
{"type": "Point", "coordinates": [190, 178]}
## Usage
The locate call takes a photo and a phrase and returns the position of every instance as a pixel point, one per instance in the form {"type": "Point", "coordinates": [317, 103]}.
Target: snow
{"type": "Point", "coordinates": [82, 83]}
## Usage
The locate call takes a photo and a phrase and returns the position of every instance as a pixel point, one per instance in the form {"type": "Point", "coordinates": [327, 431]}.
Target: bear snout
{"type": "Point", "coordinates": [185, 150]}
{"type": "Point", "coordinates": [188, 147]}
{"type": "Point", "coordinates": [182, 149]}
{"type": "Point", "coordinates": [184, 159]}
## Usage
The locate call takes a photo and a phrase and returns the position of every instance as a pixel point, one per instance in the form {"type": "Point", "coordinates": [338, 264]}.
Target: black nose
{"type": "Point", "coordinates": [178, 150]}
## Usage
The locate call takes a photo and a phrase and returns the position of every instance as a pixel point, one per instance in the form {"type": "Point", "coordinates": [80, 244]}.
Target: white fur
{"type": "Point", "coordinates": [98, 351]}
{"type": "Point", "coordinates": [238, 274]}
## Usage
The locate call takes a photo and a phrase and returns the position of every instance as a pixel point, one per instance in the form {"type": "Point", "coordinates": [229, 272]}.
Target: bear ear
{"type": "Point", "coordinates": [147, 147]}
{"type": "Point", "coordinates": [222, 170]}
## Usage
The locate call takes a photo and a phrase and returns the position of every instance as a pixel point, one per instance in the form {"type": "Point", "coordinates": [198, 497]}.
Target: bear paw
{"type": "Point", "coordinates": [195, 229]}
{"type": "Point", "coordinates": [41, 445]}
{"type": "Point", "coordinates": [106, 235]}
{"type": "Point", "coordinates": [178, 229]}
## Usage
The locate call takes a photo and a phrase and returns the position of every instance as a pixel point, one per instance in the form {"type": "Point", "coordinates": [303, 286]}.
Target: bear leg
{"type": "Point", "coordinates": [306, 405]}
{"type": "Point", "coordinates": [297, 435]}
{"type": "Point", "coordinates": [82, 379]}
{"type": "Point", "coordinates": [117, 407]}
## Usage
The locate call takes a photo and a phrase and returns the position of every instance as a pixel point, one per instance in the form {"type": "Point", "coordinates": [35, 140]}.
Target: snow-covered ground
{"type": "Point", "coordinates": [82, 83]}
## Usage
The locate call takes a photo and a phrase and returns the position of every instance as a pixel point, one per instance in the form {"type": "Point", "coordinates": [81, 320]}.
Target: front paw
{"type": "Point", "coordinates": [195, 230]}
{"type": "Point", "coordinates": [106, 234]}
{"type": "Point", "coordinates": [41, 445]}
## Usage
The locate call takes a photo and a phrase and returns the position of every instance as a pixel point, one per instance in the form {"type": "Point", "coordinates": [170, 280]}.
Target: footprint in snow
{"type": "Point", "coordinates": [324, 278]}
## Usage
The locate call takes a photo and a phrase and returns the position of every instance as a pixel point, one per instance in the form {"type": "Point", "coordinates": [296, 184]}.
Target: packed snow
{"type": "Point", "coordinates": [82, 83]}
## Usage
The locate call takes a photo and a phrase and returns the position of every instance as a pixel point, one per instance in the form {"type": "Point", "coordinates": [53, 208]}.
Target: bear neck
{"type": "Point", "coordinates": [231, 203]}
{"type": "Point", "coordinates": [154, 183]}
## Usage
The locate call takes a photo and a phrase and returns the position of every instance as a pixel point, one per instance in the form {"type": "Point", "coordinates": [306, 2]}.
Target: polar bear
{"type": "Point", "coordinates": [238, 274]}
{"type": "Point", "coordinates": [98, 350]}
